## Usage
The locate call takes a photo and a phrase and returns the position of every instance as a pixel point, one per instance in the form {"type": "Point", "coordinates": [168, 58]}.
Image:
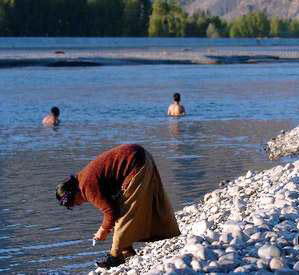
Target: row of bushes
{"type": "Point", "coordinates": [130, 18]}
{"type": "Point", "coordinates": [168, 19]}
{"type": "Point", "coordinates": [74, 17]}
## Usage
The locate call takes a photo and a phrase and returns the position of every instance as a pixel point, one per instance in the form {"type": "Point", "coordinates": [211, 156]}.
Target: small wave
{"type": "Point", "coordinates": [73, 63]}
{"type": "Point", "coordinates": [47, 62]}
{"type": "Point", "coordinates": [52, 245]}
{"type": "Point", "coordinates": [40, 246]}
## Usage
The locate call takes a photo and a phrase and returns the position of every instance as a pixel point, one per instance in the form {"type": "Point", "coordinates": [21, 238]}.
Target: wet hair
{"type": "Point", "coordinates": [55, 111]}
{"type": "Point", "coordinates": [177, 97]}
{"type": "Point", "coordinates": [66, 191]}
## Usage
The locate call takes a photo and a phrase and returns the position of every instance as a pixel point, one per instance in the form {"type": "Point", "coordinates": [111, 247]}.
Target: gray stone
{"type": "Point", "coordinates": [256, 236]}
{"type": "Point", "coordinates": [195, 239]}
{"type": "Point", "coordinates": [292, 195]}
{"type": "Point", "coordinates": [225, 238]}
{"type": "Point", "coordinates": [212, 236]}
{"type": "Point", "coordinates": [132, 272]}
{"type": "Point", "coordinates": [245, 268]}
{"type": "Point", "coordinates": [296, 266]}
{"type": "Point", "coordinates": [232, 228]}
{"type": "Point", "coordinates": [270, 234]}
{"type": "Point", "coordinates": [218, 252]}
{"type": "Point", "coordinates": [276, 263]}
{"type": "Point", "coordinates": [230, 249]}
{"type": "Point", "coordinates": [264, 227]}
{"type": "Point", "coordinates": [229, 257]}
{"type": "Point", "coordinates": [268, 251]}
{"type": "Point", "coordinates": [262, 263]}
{"type": "Point", "coordinates": [227, 265]}
{"type": "Point", "coordinates": [196, 265]}
{"type": "Point", "coordinates": [200, 227]}
{"type": "Point", "coordinates": [250, 260]}
{"type": "Point", "coordinates": [249, 174]}
{"type": "Point", "coordinates": [250, 230]}
{"type": "Point", "coordinates": [257, 221]}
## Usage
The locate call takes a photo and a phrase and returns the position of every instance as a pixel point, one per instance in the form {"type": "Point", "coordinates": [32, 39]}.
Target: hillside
{"type": "Point", "coordinates": [233, 8]}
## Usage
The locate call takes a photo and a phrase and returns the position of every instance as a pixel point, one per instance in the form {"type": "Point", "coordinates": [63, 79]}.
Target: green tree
{"type": "Point", "coordinates": [261, 24]}
{"type": "Point", "coordinates": [254, 24]}
{"type": "Point", "coordinates": [5, 17]}
{"type": "Point", "coordinates": [235, 28]}
{"type": "Point", "coordinates": [167, 19]}
{"type": "Point", "coordinates": [278, 27]}
{"type": "Point", "coordinates": [105, 17]}
{"type": "Point", "coordinates": [135, 17]}
{"type": "Point", "coordinates": [198, 24]}
{"type": "Point", "coordinates": [158, 23]}
{"type": "Point", "coordinates": [219, 26]}
{"type": "Point", "coordinates": [74, 17]}
{"type": "Point", "coordinates": [212, 31]}
{"type": "Point", "coordinates": [47, 17]}
{"type": "Point", "coordinates": [294, 28]}
{"type": "Point", "coordinates": [191, 26]}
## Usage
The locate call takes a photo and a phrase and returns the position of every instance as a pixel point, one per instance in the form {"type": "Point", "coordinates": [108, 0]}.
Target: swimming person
{"type": "Point", "coordinates": [53, 118]}
{"type": "Point", "coordinates": [124, 183]}
{"type": "Point", "coordinates": [175, 108]}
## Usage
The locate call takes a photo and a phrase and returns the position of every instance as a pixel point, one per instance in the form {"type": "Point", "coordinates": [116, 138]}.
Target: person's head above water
{"type": "Point", "coordinates": [67, 191]}
{"type": "Point", "coordinates": [176, 108]}
{"type": "Point", "coordinates": [55, 111]}
{"type": "Point", "coordinates": [177, 97]}
{"type": "Point", "coordinates": [52, 119]}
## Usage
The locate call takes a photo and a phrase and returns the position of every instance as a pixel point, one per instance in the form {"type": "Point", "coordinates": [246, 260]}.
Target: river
{"type": "Point", "coordinates": [232, 110]}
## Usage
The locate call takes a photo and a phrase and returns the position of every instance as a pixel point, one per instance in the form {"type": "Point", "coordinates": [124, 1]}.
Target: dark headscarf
{"type": "Point", "coordinates": [66, 191]}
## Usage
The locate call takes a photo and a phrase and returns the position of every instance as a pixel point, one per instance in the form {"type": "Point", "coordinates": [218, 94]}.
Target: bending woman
{"type": "Point", "coordinates": [124, 183]}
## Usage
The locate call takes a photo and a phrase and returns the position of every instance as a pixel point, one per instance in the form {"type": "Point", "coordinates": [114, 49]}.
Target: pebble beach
{"type": "Point", "coordinates": [285, 144]}
{"type": "Point", "coordinates": [248, 226]}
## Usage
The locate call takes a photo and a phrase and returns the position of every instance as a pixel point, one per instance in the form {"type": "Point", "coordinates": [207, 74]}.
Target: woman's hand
{"type": "Point", "coordinates": [101, 234]}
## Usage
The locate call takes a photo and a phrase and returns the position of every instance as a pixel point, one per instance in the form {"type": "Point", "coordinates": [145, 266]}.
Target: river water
{"type": "Point", "coordinates": [232, 110]}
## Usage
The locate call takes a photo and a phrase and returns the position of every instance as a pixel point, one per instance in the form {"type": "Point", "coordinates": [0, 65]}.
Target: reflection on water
{"type": "Point", "coordinates": [228, 121]}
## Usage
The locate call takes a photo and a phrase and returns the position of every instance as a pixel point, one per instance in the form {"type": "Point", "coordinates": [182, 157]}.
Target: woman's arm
{"type": "Point", "coordinates": [90, 189]}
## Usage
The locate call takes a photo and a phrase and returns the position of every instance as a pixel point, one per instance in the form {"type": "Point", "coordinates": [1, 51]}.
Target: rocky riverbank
{"type": "Point", "coordinates": [285, 144]}
{"type": "Point", "coordinates": [250, 225]}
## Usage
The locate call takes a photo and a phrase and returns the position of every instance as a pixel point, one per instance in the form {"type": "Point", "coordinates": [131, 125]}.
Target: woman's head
{"type": "Point", "coordinates": [67, 191]}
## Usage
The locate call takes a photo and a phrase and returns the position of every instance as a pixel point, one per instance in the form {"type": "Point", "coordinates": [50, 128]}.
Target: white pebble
{"type": "Point", "coordinates": [268, 251]}
{"type": "Point", "coordinates": [276, 263]}
{"type": "Point", "coordinates": [195, 265]}
{"type": "Point", "coordinates": [200, 227]}
{"type": "Point", "coordinates": [132, 272]}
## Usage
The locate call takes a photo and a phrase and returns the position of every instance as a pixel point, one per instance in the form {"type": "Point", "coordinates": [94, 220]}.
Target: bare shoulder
{"type": "Point", "coordinates": [48, 120]}
{"type": "Point", "coordinates": [176, 110]}
{"type": "Point", "coordinates": [170, 109]}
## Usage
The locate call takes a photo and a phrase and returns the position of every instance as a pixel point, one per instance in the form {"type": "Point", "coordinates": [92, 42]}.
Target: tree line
{"type": "Point", "coordinates": [74, 17]}
{"type": "Point", "coordinates": [135, 18]}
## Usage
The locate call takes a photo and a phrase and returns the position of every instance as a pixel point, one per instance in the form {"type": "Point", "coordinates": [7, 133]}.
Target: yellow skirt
{"type": "Point", "coordinates": [146, 213]}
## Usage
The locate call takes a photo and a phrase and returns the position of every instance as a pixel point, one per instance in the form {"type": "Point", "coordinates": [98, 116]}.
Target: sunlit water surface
{"type": "Point", "coordinates": [232, 111]}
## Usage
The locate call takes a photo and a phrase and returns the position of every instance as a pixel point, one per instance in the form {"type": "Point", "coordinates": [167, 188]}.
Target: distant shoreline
{"type": "Point", "coordinates": [102, 43]}
{"type": "Point", "coordinates": [138, 56]}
